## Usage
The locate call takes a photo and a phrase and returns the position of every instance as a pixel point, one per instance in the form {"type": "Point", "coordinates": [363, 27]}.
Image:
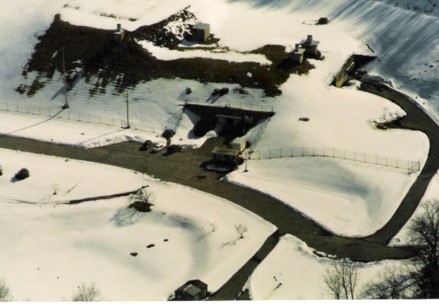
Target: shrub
{"type": "Point", "coordinates": [5, 295]}
{"type": "Point", "coordinates": [22, 174]}
{"type": "Point", "coordinates": [168, 133]}
{"type": "Point", "coordinates": [86, 294]}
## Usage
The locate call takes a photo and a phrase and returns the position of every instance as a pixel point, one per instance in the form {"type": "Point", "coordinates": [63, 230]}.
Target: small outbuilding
{"type": "Point", "coordinates": [193, 290]}
{"type": "Point", "coordinates": [323, 21]}
{"type": "Point", "coordinates": [298, 55]}
{"type": "Point", "coordinates": [311, 46]}
{"type": "Point", "coordinates": [200, 32]}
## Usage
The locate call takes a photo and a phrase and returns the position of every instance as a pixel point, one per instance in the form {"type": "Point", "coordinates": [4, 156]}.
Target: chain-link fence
{"type": "Point", "coordinates": [412, 166]}
{"type": "Point", "coordinates": [67, 114]}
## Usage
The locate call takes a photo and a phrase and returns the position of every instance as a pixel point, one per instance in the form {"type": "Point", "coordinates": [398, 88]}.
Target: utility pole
{"type": "Point", "coordinates": [66, 104]}
{"type": "Point", "coordinates": [128, 112]}
{"type": "Point", "coordinates": [246, 159]}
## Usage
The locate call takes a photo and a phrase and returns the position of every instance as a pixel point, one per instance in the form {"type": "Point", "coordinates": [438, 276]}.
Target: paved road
{"type": "Point", "coordinates": [184, 168]}
{"type": "Point", "coordinates": [416, 119]}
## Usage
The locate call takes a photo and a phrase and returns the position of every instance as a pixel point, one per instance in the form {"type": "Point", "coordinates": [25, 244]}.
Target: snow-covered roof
{"type": "Point", "coordinates": [202, 26]}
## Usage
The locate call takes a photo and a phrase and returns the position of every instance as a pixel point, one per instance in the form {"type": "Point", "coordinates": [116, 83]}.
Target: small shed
{"type": "Point", "coordinates": [311, 46]}
{"type": "Point", "coordinates": [200, 32]}
{"type": "Point", "coordinates": [323, 21]}
{"type": "Point", "coordinates": [119, 34]}
{"type": "Point", "coordinates": [298, 55]}
{"type": "Point", "coordinates": [193, 290]}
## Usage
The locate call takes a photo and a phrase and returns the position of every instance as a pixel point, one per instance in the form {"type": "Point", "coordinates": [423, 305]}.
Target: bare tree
{"type": "Point", "coordinates": [341, 279]}
{"type": "Point", "coordinates": [241, 229]}
{"type": "Point", "coordinates": [424, 236]}
{"type": "Point", "coordinates": [86, 294]}
{"type": "Point", "coordinates": [143, 196]}
{"type": "Point", "coordinates": [393, 283]}
{"type": "Point", "coordinates": [5, 295]}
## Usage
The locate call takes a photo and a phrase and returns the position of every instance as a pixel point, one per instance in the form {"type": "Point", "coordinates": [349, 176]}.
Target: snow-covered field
{"type": "Point", "coordinates": [49, 248]}
{"type": "Point", "coordinates": [349, 198]}
{"type": "Point", "coordinates": [345, 197]}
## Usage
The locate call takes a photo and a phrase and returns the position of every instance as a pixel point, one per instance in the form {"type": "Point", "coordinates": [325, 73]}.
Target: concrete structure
{"type": "Point", "coordinates": [193, 290]}
{"type": "Point", "coordinates": [342, 75]}
{"type": "Point", "coordinates": [225, 154]}
{"type": "Point", "coordinates": [311, 47]}
{"type": "Point", "coordinates": [239, 143]}
{"type": "Point", "coordinates": [119, 34]}
{"type": "Point", "coordinates": [298, 55]}
{"type": "Point", "coordinates": [200, 32]}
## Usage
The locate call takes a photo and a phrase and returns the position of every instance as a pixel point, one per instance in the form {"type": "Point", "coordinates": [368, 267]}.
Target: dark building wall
{"type": "Point", "coordinates": [343, 74]}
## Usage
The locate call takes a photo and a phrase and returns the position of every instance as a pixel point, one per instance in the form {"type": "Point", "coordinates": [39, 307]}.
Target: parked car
{"type": "Point", "coordinates": [173, 149]}
{"type": "Point", "coordinates": [145, 146]}
{"type": "Point", "coordinates": [157, 147]}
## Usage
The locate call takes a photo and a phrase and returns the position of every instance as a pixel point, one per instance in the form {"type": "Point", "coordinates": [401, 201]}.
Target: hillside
{"type": "Point", "coordinates": [135, 88]}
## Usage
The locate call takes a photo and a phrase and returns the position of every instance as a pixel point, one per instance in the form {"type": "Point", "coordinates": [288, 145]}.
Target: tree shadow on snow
{"type": "Point", "coordinates": [33, 125]}
{"type": "Point", "coordinates": [125, 217]}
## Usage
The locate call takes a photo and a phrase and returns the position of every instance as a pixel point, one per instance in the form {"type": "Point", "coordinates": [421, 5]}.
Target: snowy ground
{"type": "Point", "coordinates": [292, 271]}
{"type": "Point", "coordinates": [349, 198]}
{"type": "Point", "coordinates": [406, 45]}
{"type": "Point", "coordinates": [68, 245]}
{"type": "Point", "coordinates": [431, 194]}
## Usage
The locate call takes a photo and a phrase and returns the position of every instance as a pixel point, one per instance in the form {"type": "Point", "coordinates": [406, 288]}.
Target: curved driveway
{"type": "Point", "coordinates": [184, 168]}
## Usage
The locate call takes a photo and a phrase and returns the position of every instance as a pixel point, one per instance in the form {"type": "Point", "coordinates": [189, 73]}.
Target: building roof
{"type": "Point", "coordinates": [193, 287]}
{"type": "Point", "coordinates": [225, 151]}
{"type": "Point", "coordinates": [201, 26]}
{"type": "Point", "coordinates": [192, 290]}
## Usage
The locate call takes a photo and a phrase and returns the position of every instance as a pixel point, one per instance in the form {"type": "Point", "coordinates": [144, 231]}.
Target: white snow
{"type": "Point", "coordinates": [166, 54]}
{"type": "Point", "coordinates": [431, 194]}
{"type": "Point", "coordinates": [358, 198]}
{"type": "Point", "coordinates": [65, 246]}
{"type": "Point", "coordinates": [348, 198]}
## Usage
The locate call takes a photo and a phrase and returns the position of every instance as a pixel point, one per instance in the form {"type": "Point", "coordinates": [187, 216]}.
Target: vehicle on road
{"type": "Point", "coordinates": [145, 146]}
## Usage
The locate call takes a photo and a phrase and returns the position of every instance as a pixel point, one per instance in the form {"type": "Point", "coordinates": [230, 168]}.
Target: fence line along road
{"type": "Point", "coordinates": [75, 116]}
{"type": "Point", "coordinates": [412, 166]}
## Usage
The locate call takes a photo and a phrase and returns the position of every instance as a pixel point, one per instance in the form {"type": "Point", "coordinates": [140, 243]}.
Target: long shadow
{"type": "Point", "coordinates": [68, 88]}
{"type": "Point", "coordinates": [33, 125]}
{"type": "Point", "coordinates": [100, 136]}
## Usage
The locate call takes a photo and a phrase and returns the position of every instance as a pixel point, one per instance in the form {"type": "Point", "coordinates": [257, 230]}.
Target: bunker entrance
{"type": "Point", "coordinates": [352, 69]}
{"type": "Point", "coordinates": [228, 122]}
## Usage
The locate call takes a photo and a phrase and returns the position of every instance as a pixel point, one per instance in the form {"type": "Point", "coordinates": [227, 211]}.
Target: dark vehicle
{"type": "Point", "coordinates": [173, 149]}
{"type": "Point", "coordinates": [145, 146]}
